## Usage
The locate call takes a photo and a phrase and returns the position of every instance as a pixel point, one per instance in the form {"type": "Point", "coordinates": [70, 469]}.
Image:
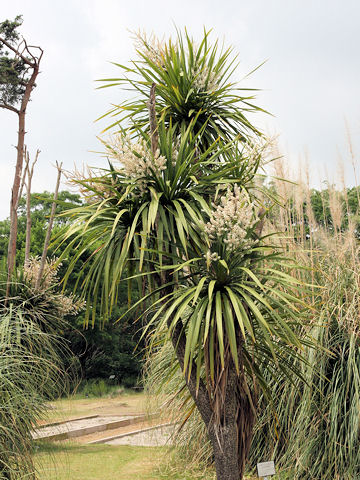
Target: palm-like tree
{"type": "Point", "coordinates": [177, 210]}
{"type": "Point", "coordinates": [194, 84]}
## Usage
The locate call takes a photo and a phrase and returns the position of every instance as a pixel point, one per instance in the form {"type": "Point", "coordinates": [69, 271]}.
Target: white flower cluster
{"type": "Point", "coordinates": [231, 219]}
{"type": "Point", "coordinates": [151, 47]}
{"type": "Point", "coordinates": [137, 160]}
{"type": "Point", "coordinates": [211, 256]}
{"type": "Point", "coordinates": [69, 304]}
{"type": "Point", "coordinates": [205, 80]}
{"type": "Point", "coordinates": [92, 186]}
{"type": "Point", "coordinates": [64, 304]}
{"type": "Point", "coordinates": [49, 275]}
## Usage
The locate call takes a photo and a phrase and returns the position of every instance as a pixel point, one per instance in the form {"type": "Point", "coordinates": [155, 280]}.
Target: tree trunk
{"type": "Point", "coordinates": [15, 195]}
{"type": "Point", "coordinates": [231, 437]}
{"type": "Point", "coordinates": [230, 428]}
{"type": "Point", "coordinates": [224, 443]}
{"type": "Point", "coordinates": [18, 172]}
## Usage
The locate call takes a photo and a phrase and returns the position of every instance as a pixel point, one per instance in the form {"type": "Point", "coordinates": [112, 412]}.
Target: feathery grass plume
{"type": "Point", "coordinates": [30, 375]}
{"type": "Point", "coordinates": [43, 304]}
{"type": "Point", "coordinates": [32, 355]}
{"type": "Point", "coordinates": [315, 432]}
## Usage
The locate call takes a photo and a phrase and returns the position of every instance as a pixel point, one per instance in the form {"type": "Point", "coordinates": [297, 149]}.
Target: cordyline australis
{"type": "Point", "coordinates": [188, 231]}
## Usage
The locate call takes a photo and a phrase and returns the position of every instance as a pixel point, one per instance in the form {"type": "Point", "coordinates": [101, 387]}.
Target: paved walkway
{"type": "Point", "coordinates": [82, 426]}
{"type": "Point", "coordinates": [154, 437]}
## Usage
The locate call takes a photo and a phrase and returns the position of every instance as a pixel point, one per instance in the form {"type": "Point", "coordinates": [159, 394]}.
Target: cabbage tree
{"type": "Point", "coordinates": [177, 211]}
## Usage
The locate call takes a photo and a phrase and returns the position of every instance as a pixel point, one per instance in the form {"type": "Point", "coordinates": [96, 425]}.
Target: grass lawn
{"type": "Point", "coordinates": [66, 461]}
{"type": "Point", "coordinates": [73, 461]}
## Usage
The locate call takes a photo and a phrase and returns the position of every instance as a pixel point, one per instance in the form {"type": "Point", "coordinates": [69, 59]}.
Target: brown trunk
{"type": "Point", "coordinates": [225, 453]}
{"type": "Point", "coordinates": [18, 171]}
{"type": "Point", "coordinates": [223, 433]}
{"type": "Point", "coordinates": [30, 173]}
{"type": "Point", "coordinates": [15, 196]}
{"type": "Point", "coordinates": [231, 438]}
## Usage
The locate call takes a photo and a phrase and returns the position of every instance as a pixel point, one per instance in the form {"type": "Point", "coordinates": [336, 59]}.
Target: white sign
{"type": "Point", "coordinates": [266, 468]}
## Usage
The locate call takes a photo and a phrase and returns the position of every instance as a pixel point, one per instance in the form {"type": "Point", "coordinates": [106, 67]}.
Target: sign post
{"type": "Point", "coordinates": [265, 469]}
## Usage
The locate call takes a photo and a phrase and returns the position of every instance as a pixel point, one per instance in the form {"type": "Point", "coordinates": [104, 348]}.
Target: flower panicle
{"type": "Point", "coordinates": [231, 219]}
{"type": "Point", "coordinates": [205, 80]}
{"type": "Point", "coordinates": [65, 304]}
{"type": "Point", "coordinates": [150, 46]}
{"type": "Point", "coordinates": [136, 159]}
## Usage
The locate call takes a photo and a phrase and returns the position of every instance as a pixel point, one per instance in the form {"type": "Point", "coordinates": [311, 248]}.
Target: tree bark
{"type": "Point", "coordinates": [223, 434]}
{"type": "Point", "coordinates": [30, 173]}
{"type": "Point", "coordinates": [18, 172]}
{"type": "Point", "coordinates": [231, 437]}
{"type": "Point", "coordinates": [14, 198]}
{"type": "Point", "coordinates": [225, 452]}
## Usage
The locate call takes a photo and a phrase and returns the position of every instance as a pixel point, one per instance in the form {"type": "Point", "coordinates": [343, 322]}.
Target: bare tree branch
{"type": "Point", "coordinates": [153, 121]}
{"type": "Point", "coordinates": [30, 173]}
{"type": "Point", "coordinates": [50, 226]}
{"type": "Point", "coordinates": [9, 107]}
{"type": "Point", "coordinates": [26, 158]}
{"type": "Point", "coordinates": [17, 52]}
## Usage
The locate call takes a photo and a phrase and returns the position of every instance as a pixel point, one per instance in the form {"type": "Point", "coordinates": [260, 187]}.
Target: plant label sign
{"type": "Point", "coordinates": [265, 468]}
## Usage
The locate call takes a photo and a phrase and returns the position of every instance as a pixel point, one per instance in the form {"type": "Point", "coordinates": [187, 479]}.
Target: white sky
{"type": "Point", "coordinates": [310, 83]}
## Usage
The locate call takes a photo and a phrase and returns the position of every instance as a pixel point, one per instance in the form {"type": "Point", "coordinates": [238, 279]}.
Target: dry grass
{"type": "Point", "coordinates": [319, 424]}
{"type": "Point", "coordinates": [75, 406]}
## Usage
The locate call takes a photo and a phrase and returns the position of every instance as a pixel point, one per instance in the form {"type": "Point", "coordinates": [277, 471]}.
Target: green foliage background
{"type": "Point", "coordinates": [97, 352]}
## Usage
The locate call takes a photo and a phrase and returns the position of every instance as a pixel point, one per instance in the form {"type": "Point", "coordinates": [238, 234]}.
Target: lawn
{"type": "Point", "coordinates": [73, 461]}
{"type": "Point", "coordinates": [66, 461]}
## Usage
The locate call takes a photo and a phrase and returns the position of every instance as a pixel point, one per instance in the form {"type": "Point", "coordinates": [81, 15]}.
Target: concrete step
{"type": "Point", "coordinates": [156, 435]}
{"type": "Point", "coordinates": [85, 426]}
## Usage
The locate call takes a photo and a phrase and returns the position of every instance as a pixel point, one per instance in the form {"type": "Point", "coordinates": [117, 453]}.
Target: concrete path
{"type": "Point", "coordinates": [84, 426]}
{"type": "Point", "coordinates": [150, 437]}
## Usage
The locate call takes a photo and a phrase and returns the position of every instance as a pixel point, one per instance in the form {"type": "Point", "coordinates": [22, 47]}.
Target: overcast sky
{"type": "Point", "coordinates": [310, 82]}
